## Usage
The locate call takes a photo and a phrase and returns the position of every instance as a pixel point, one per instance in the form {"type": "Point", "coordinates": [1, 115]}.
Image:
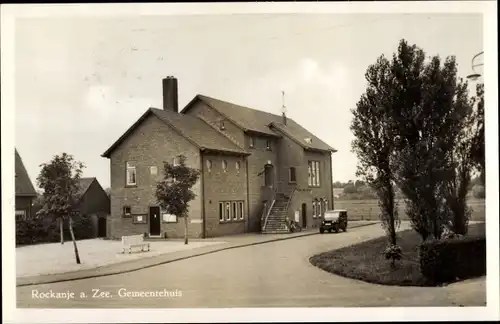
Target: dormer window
{"type": "Point", "coordinates": [221, 125]}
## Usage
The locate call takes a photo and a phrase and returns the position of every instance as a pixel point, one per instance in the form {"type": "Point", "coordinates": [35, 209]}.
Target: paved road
{"type": "Point", "coordinates": [276, 274]}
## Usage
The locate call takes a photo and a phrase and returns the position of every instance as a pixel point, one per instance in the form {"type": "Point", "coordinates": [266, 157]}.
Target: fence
{"type": "Point", "coordinates": [369, 209]}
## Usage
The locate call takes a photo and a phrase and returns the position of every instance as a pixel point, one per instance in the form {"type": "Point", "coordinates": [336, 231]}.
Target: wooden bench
{"type": "Point", "coordinates": [134, 241]}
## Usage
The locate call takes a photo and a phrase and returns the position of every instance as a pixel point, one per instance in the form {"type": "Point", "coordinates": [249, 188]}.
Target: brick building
{"type": "Point", "coordinates": [256, 169]}
{"type": "Point", "coordinates": [94, 202]}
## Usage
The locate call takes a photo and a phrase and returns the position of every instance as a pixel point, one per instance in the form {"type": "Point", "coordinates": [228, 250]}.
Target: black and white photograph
{"type": "Point", "coordinates": [243, 162]}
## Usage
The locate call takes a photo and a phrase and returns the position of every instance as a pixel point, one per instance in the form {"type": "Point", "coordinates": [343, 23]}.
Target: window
{"type": "Point", "coordinates": [20, 214]}
{"type": "Point", "coordinates": [175, 162]}
{"type": "Point", "coordinates": [238, 165]}
{"type": "Point", "coordinates": [127, 211]}
{"type": "Point", "coordinates": [224, 165]}
{"type": "Point", "coordinates": [313, 174]}
{"type": "Point", "coordinates": [153, 170]}
{"type": "Point", "coordinates": [221, 125]}
{"type": "Point", "coordinates": [291, 175]}
{"type": "Point", "coordinates": [209, 165]}
{"type": "Point", "coordinates": [314, 208]}
{"type": "Point", "coordinates": [240, 209]}
{"type": "Point", "coordinates": [131, 175]}
{"type": "Point", "coordinates": [234, 211]}
{"type": "Point", "coordinates": [228, 211]}
{"type": "Point", "coordinates": [268, 145]}
{"type": "Point", "coordinates": [326, 205]}
{"type": "Point", "coordinates": [221, 212]}
{"type": "Point", "coordinates": [252, 142]}
{"type": "Point", "coordinates": [231, 211]}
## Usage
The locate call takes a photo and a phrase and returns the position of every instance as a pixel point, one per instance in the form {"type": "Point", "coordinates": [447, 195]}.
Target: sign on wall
{"type": "Point", "coordinates": [168, 218]}
{"type": "Point", "coordinates": [297, 216]}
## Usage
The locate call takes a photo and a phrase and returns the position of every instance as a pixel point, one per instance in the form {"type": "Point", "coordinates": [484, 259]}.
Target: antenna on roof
{"type": "Point", "coordinates": [283, 107]}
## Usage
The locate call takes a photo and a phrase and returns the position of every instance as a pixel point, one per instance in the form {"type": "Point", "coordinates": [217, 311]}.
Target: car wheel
{"type": "Point", "coordinates": [321, 230]}
{"type": "Point", "coordinates": [344, 228]}
{"type": "Point", "coordinates": [336, 229]}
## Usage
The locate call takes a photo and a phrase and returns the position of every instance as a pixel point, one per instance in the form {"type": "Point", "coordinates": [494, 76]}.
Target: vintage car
{"type": "Point", "coordinates": [334, 220]}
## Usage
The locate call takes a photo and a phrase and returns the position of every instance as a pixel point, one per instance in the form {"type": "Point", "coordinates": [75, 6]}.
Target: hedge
{"type": "Point", "coordinates": [444, 261]}
{"type": "Point", "coordinates": [43, 230]}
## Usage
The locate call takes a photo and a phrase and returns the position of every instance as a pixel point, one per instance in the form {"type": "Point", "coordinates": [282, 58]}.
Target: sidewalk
{"type": "Point", "coordinates": [231, 242]}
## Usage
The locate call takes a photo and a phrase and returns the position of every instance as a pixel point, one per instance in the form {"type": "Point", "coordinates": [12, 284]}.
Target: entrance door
{"type": "Point", "coordinates": [304, 216]}
{"type": "Point", "coordinates": [101, 226]}
{"type": "Point", "coordinates": [268, 175]}
{"type": "Point", "coordinates": [154, 221]}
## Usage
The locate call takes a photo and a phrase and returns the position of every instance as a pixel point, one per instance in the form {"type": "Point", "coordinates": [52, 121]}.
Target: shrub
{"type": "Point", "coordinates": [447, 260]}
{"type": "Point", "coordinates": [46, 230]}
{"type": "Point", "coordinates": [393, 252]}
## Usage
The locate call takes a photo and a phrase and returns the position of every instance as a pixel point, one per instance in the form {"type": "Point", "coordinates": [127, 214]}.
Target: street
{"type": "Point", "coordinates": [276, 274]}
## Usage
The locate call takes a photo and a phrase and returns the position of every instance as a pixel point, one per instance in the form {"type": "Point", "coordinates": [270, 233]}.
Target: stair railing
{"type": "Point", "coordinates": [290, 199]}
{"type": "Point", "coordinates": [273, 200]}
{"type": "Point", "coordinates": [286, 209]}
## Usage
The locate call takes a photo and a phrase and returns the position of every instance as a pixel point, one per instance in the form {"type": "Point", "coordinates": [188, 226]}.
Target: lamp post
{"type": "Point", "coordinates": [475, 75]}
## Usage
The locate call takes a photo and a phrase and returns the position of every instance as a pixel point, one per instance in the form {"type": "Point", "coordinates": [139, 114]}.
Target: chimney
{"type": "Point", "coordinates": [283, 107]}
{"type": "Point", "coordinates": [170, 95]}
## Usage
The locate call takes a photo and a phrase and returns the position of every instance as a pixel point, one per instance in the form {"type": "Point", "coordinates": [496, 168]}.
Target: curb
{"type": "Point", "coordinates": [72, 276]}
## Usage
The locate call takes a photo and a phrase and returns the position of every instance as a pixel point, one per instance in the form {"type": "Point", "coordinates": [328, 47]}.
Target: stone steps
{"type": "Point", "coordinates": [276, 222]}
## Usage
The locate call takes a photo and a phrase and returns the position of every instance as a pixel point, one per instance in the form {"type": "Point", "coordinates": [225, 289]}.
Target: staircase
{"type": "Point", "coordinates": [276, 221]}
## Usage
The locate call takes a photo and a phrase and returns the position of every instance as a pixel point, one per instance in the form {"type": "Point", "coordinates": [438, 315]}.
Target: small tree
{"type": "Point", "coordinates": [175, 192]}
{"type": "Point", "coordinates": [59, 180]}
{"type": "Point", "coordinates": [374, 146]}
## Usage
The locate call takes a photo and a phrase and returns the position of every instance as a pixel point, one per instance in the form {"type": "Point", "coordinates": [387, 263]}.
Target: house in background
{"type": "Point", "coordinates": [93, 201]}
{"type": "Point", "coordinates": [257, 169]}
{"type": "Point", "coordinates": [25, 191]}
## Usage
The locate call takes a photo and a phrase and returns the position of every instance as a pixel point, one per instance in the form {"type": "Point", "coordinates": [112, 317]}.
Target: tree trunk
{"type": "Point", "coordinates": [392, 222]}
{"type": "Point", "coordinates": [77, 255]}
{"type": "Point", "coordinates": [185, 229]}
{"type": "Point", "coordinates": [61, 231]}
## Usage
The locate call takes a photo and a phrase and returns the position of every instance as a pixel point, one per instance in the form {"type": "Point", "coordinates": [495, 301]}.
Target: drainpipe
{"type": "Point", "coordinates": [248, 196]}
{"type": "Point", "coordinates": [203, 216]}
{"type": "Point", "coordinates": [331, 180]}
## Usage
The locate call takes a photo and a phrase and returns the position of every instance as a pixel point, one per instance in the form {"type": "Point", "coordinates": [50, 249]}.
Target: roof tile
{"type": "Point", "coordinates": [259, 121]}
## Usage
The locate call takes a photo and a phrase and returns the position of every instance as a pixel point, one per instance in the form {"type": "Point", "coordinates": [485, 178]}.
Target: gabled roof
{"type": "Point", "coordinates": [302, 136]}
{"type": "Point", "coordinates": [24, 186]}
{"type": "Point", "coordinates": [83, 186]}
{"type": "Point", "coordinates": [192, 128]}
{"type": "Point", "coordinates": [253, 120]}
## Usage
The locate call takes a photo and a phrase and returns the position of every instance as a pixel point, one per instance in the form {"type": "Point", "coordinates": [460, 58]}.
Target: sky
{"type": "Point", "coordinates": [80, 83]}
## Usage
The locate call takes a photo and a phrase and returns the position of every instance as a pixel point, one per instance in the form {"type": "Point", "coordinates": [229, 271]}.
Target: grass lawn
{"type": "Point", "coordinates": [366, 262]}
